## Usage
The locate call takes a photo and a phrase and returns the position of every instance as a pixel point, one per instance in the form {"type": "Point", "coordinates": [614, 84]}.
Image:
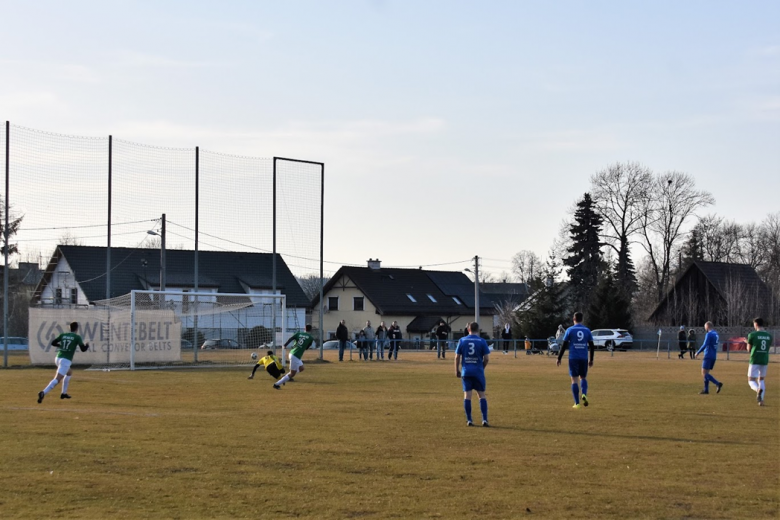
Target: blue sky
{"type": "Point", "coordinates": [449, 129]}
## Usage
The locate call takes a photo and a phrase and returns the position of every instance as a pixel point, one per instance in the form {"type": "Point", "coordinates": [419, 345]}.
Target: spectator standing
{"type": "Point", "coordinates": [395, 336]}
{"type": "Point", "coordinates": [682, 341]}
{"type": "Point", "coordinates": [362, 345]}
{"type": "Point", "coordinates": [381, 339]}
{"type": "Point", "coordinates": [442, 334]}
{"type": "Point", "coordinates": [506, 337]}
{"type": "Point", "coordinates": [692, 343]}
{"type": "Point", "coordinates": [342, 334]}
{"type": "Point", "coordinates": [368, 332]}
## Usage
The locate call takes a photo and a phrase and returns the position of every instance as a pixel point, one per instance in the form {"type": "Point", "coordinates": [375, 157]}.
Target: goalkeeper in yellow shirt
{"type": "Point", "coordinates": [272, 365]}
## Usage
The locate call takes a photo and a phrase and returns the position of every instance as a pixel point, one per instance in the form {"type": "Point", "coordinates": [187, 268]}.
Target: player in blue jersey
{"type": "Point", "coordinates": [473, 352]}
{"type": "Point", "coordinates": [579, 341]}
{"type": "Point", "coordinates": [710, 349]}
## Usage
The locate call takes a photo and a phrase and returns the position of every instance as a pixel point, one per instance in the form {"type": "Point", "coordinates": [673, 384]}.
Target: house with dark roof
{"type": "Point", "coordinates": [417, 299]}
{"type": "Point", "coordinates": [76, 276]}
{"type": "Point", "coordinates": [724, 293]}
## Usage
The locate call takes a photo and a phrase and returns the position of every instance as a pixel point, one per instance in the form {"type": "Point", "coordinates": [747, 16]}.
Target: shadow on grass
{"type": "Point", "coordinates": [602, 435]}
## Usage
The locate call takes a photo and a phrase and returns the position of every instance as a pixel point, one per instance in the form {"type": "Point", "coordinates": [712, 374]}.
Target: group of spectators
{"type": "Point", "coordinates": [687, 342]}
{"type": "Point", "coordinates": [369, 340]}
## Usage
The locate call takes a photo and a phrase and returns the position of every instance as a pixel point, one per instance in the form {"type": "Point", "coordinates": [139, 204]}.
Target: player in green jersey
{"type": "Point", "coordinates": [301, 341]}
{"type": "Point", "coordinates": [759, 341]}
{"type": "Point", "coordinates": [66, 344]}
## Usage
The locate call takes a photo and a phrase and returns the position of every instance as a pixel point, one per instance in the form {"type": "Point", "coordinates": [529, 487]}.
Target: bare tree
{"type": "Point", "coordinates": [69, 239]}
{"type": "Point", "coordinates": [526, 266]}
{"type": "Point", "coordinates": [620, 192]}
{"type": "Point", "coordinates": [671, 203]}
{"type": "Point", "coordinates": [311, 285]}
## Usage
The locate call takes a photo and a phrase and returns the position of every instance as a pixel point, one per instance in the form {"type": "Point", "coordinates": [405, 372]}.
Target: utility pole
{"type": "Point", "coordinates": [476, 289]}
{"type": "Point", "coordinates": [162, 254]}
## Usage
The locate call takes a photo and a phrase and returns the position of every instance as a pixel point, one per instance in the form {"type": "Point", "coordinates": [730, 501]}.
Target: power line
{"type": "Point", "coordinates": [83, 227]}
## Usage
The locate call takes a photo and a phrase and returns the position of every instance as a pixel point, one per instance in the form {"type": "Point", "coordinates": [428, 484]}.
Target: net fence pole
{"type": "Point", "coordinates": [108, 247]}
{"type": "Point", "coordinates": [132, 330]}
{"type": "Point", "coordinates": [197, 202]}
{"type": "Point", "coordinates": [5, 245]}
{"type": "Point", "coordinates": [273, 264]}
{"type": "Point", "coordinates": [322, 267]}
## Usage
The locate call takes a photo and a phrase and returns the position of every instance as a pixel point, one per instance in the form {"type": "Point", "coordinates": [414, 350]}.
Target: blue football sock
{"type": "Point", "coordinates": [713, 380]}
{"type": "Point", "coordinates": [575, 391]}
{"type": "Point", "coordinates": [707, 383]}
{"type": "Point", "coordinates": [467, 407]}
{"type": "Point", "coordinates": [584, 387]}
{"type": "Point", "coordinates": [483, 408]}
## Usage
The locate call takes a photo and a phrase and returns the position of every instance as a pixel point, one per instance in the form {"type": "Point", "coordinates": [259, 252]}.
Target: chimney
{"type": "Point", "coordinates": [374, 265]}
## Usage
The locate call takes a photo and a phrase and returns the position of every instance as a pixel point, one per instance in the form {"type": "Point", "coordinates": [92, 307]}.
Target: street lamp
{"type": "Point", "coordinates": [161, 234]}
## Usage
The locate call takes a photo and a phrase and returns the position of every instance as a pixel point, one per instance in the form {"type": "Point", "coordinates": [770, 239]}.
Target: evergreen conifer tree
{"type": "Point", "coordinates": [584, 262]}
{"type": "Point", "coordinates": [609, 308]}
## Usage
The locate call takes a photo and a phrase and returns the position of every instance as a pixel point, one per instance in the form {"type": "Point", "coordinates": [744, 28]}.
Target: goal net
{"type": "Point", "coordinates": [182, 328]}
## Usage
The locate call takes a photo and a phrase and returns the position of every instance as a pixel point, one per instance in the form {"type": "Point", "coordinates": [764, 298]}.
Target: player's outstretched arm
{"type": "Point", "coordinates": [84, 347]}
{"type": "Point", "coordinates": [56, 342]}
{"type": "Point", "coordinates": [457, 365]}
{"type": "Point", "coordinates": [563, 349]}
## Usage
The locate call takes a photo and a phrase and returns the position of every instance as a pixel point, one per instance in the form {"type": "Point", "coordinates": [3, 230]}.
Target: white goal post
{"type": "Point", "coordinates": [176, 328]}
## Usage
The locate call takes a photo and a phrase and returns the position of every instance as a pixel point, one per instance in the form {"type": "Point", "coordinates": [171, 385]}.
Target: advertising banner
{"type": "Point", "coordinates": [157, 335]}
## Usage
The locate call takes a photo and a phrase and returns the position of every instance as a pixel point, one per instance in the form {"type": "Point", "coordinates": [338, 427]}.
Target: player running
{"type": "Point", "coordinates": [710, 348]}
{"type": "Point", "coordinates": [272, 365]}
{"type": "Point", "coordinates": [474, 352]}
{"type": "Point", "coordinates": [579, 338]}
{"type": "Point", "coordinates": [301, 341]}
{"type": "Point", "coordinates": [759, 342]}
{"type": "Point", "coordinates": [66, 344]}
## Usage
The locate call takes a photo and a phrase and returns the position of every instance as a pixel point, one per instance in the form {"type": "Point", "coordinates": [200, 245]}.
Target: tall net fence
{"type": "Point", "coordinates": [125, 199]}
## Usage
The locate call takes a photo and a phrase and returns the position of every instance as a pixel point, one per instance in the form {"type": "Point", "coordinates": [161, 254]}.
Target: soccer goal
{"type": "Point", "coordinates": [175, 328]}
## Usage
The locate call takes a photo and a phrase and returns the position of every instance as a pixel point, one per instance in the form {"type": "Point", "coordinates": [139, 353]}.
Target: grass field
{"type": "Point", "coordinates": [388, 440]}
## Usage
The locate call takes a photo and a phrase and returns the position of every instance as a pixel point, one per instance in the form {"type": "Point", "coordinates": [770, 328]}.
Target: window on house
{"type": "Point", "coordinates": [74, 296]}
{"type": "Point", "coordinates": [58, 296]}
{"type": "Point", "coordinates": [456, 300]}
{"type": "Point", "coordinates": [357, 303]}
{"type": "Point", "coordinates": [333, 303]}
{"type": "Point", "coordinates": [432, 298]}
{"type": "Point", "coordinates": [411, 298]}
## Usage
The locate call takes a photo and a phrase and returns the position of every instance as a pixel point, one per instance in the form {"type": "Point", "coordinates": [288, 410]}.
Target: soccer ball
{"type": "Point", "coordinates": [254, 355]}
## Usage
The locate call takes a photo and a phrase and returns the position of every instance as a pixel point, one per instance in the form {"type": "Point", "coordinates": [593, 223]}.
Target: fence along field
{"type": "Point", "coordinates": [388, 440]}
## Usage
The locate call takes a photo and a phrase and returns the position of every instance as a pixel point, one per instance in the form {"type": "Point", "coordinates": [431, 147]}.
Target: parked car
{"type": "Point", "coordinates": [612, 339]}
{"type": "Point", "coordinates": [15, 343]}
{"type": "Point", "coordinates": [213, 344]}
{"type": "Point", "coordinates": [334, 345]}
{"type": "Point", "coordinates": [186, 344]}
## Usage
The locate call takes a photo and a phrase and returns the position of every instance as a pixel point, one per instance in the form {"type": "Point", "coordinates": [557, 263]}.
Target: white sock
{"type": "Point", "coordinates": [51, 386]}
{"type": "Point", "coordinates": [65, 383]}
{"type": "Point", "coordinates": [753, 385]}
{"type": "Point", "coordinates": [283, 380]}
{"type": "Point", "coordinates": [761, 385]}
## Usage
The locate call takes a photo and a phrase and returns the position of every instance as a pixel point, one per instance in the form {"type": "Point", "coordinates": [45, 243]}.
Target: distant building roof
{"type": "Point", "coordinates": [138, 268]}
{"type": "Point", "coordinates": [414, 291]}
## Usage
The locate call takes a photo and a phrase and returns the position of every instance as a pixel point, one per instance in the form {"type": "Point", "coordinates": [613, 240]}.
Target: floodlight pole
{"type": "Point", "coordinates": [162, 254]}
{"type": "Point", "coordinates": [476, 290]}
{"type": "Point", "coordinates": [5, 247]}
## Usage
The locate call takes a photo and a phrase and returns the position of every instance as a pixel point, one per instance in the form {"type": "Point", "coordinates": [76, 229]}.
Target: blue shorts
{"type": "Point", "coordinates": [578, 367]}
{"type": "Point", "coordinates": [473, 383]}
{"type": "Point", "coordinates": [708, 364]}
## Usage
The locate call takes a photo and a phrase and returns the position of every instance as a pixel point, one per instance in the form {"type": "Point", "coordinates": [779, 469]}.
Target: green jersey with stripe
{"type": "Point", "coordinates": [67, 343]}
{"type": "Point", "coordinates": [759, 342]}
{"type": "Point", "coordinates": [301, 341]}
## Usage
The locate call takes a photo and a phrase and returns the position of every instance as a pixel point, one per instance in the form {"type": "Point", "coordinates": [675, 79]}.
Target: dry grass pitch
{"type": "Point", "coordinates": [388, 440]}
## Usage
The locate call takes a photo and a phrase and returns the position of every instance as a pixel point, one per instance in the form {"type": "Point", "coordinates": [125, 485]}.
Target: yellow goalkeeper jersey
{"type": "Point", "coordinates": [267, 360]}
